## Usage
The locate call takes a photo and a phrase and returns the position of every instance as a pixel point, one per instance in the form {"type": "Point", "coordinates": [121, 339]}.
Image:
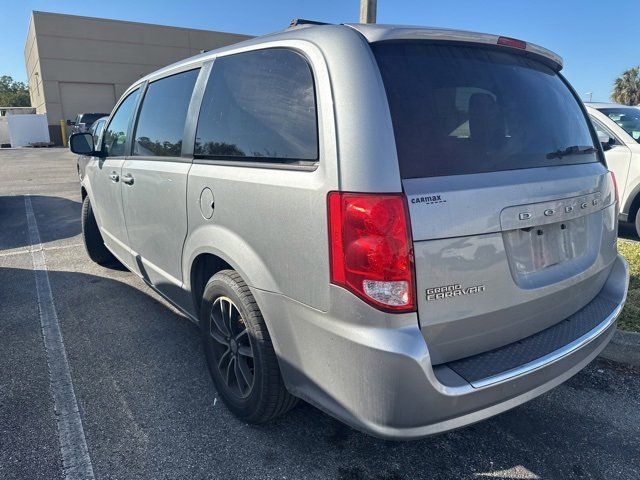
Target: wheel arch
{"type": "Point", "coordinates": [212, 248]}
{"type": "Point", "coordinates": [632, 205]}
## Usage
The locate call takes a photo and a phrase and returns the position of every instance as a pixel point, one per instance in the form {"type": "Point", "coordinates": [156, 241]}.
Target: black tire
{"type": "Point", "coordinates": [637, 224]}
{"type": "Point", "coordinates": [266, 397]}
{"type": "Point", "coordinates": [93, 242]}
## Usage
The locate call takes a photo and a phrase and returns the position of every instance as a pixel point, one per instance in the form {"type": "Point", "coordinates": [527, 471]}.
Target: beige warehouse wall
{"type": "Point", "coordinates": [72, 49]}
{"type": "Point", "coordinates": [32, 64]}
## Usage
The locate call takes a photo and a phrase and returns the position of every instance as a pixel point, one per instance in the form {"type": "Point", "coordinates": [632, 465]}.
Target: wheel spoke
{"type": "Point", "coordinates": [229, 365]}
{"type": "Point", "coordinates": [245, 351]}
{"type": "Point", "coordinates": [239, 377]}
{"type": "Point", "coordinates": [230, 315]}
{"type": "Point", "coordinates": [224, 358]}
{"type": "Point", "coordinates": [215, 333]}
{"type": "Point", "coordinates": [219, 319]}
{"type": "Point", "coordinates": [245, 372]}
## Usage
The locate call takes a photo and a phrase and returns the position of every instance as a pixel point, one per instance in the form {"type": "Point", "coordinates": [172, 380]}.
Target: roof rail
{"type": "Point", "coordinates": [301, 21]}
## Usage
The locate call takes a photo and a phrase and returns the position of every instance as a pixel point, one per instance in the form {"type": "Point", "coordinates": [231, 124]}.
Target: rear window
{"type": "Point", "coordinates": [461, 110]}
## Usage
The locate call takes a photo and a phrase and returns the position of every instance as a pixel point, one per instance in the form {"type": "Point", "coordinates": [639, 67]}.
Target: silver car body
{"type": "Point", "coordinates": [452, 362]}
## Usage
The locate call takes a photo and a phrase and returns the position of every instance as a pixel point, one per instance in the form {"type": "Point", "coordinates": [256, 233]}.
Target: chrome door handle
{"type": "Point", "coordinates": [114, 177]}
{"type": "Point", "coordinates": [128, 179]}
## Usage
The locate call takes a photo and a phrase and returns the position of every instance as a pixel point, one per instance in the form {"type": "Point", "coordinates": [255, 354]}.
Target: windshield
{"type": "Point", "coordinates": [89, 118]}
{"type": "Point", "coordinates": [462, 109]}
{"type": "Point", "coordinates": [627, 118]}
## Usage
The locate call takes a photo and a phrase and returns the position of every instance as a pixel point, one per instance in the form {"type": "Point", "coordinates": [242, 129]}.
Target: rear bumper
{"type": "Point", "coordinates": [374, 372]}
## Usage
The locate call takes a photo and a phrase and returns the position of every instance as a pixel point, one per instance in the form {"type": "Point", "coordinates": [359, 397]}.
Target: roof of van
{"type": "Point", "coordinates": [372, 33]}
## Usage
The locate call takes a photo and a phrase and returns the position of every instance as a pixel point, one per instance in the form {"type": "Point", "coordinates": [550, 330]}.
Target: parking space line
{"type": "Point", "coordinates": [28, 250]}
{"type": "Point", "coordinates": [76, 461]}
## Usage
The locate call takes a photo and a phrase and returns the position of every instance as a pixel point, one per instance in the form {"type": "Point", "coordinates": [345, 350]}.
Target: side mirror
{"type": "Point", "coordinates": [606, 141]}
{"type": "Point", "coordinates": [82, 144]}
{"type": "Point", "coordinates": [70, 123]}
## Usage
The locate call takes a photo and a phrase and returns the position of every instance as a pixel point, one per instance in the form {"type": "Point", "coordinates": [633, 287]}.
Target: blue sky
{"type": "Point", "coordinates": [596, 41]}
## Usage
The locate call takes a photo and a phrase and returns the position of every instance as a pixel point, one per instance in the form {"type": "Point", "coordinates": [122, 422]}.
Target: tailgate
{"type": "Point", "coordinates": [500, 256]}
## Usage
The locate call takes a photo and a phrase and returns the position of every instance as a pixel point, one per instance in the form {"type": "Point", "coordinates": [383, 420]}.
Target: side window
{"type": "Point", "coordinates": [600, 128]}
{"type": "Point", "coordinates": [162, 115]}
{"type": "Point", "coordinates": [115, 136]}
{"type": "Point", "coordinates": [259, 106]}
{"type": "Point", "coordinates": [96, 130]}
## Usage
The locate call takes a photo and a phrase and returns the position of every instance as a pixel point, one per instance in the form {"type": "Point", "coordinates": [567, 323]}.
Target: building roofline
{"type": "Point", "coordinates": [130, 22]}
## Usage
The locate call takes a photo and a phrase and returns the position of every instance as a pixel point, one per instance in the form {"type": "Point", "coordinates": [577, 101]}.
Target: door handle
{"type": "Point", "coordinates": [128, 179]}
{"type": "Point", "coordinates": [114, 177]}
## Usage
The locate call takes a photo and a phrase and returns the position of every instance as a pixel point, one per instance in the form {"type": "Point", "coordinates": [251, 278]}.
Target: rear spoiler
{"type": "Point", "coordinates": [380, 33]}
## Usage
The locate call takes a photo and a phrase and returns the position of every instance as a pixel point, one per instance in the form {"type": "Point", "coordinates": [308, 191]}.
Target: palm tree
{"type": "Point", "coordinates": [626, 88]}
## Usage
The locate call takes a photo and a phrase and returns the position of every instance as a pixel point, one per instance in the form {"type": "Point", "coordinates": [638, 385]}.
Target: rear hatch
{"type": "Point", "coordinates": [513, 213]}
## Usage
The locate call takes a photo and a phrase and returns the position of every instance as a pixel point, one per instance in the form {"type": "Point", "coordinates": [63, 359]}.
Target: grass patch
{"type": "Point", "coordinates": [630, 317]}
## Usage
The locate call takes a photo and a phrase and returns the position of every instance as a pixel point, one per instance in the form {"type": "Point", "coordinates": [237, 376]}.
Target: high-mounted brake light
{"type": "Point", "coordinates": [512, 42]}
{"type": "Point", "coordinates": [371, 249]}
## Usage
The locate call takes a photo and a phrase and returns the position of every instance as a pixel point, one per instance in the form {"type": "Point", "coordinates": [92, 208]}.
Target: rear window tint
{"type": "Point", "coordinates": [259, 106]}
{"type": "Point", "coordinates": [461, 110]}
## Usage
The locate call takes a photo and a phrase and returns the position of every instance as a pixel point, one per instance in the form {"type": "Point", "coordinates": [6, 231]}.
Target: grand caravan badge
{"type": "Point", "coordinates": [450, 291]}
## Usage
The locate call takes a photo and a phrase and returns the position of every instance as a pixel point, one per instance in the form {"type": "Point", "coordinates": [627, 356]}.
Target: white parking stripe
{"type": "Point", "coordinates": [22, 252]}
{"type": "Point", "coordinates": [73, 446]}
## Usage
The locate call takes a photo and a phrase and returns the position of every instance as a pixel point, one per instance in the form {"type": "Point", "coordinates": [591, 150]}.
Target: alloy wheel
{"type": "Point", "coordinates": [232, 347]}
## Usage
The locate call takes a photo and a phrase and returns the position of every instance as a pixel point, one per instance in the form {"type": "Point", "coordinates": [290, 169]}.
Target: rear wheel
{"type": "Point", "coordinates": [239, 351]}
{"type": "Point", "coordinates": [637, 223]}
{"type": "Point", "coordinates": [93, 242]}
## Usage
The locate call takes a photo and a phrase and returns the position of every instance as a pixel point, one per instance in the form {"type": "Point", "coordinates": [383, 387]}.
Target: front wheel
{"type": "Point", "coordinates": [239, 351]}
{"type": "Point", "coordinates": [93, 242]}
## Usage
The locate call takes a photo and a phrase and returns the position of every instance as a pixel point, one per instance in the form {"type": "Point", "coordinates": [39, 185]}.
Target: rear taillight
{"type": "Point", "coordinates": [371, 249]}
{"type": "Point", "coordinates": [512, 42]}
{"type": "Point", "coordinates": [615, 186]}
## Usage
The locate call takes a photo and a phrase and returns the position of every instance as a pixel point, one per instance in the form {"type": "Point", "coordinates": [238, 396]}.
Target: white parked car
{"type": "Point", "coordinates": [618, 128]}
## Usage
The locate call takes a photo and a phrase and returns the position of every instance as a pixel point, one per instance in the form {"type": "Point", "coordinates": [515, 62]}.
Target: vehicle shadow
{"type": "Point", "coordinates": [58, 218]}
{"type": "Point", "coordinates": [145, 392]}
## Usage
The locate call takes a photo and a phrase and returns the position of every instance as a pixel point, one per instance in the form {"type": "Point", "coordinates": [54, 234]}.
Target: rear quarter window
{"type": "Point", "coordinates": [259, 106]}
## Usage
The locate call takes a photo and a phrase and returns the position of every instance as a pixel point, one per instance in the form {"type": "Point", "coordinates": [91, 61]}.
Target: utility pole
{"type": "Point", "coordinates": [368, 11]}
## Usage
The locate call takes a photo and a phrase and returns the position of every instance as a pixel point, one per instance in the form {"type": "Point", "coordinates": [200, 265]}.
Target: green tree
{"type": "Point", "coordinates": [626, 88]}
{"type": "Point", "coordinates": [12, 93]}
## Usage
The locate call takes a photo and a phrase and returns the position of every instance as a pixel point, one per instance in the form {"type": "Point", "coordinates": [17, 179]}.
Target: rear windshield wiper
{"type": "Point", "coordinates": [573, 150]}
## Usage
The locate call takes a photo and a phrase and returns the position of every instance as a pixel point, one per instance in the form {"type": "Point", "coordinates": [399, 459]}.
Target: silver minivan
{"type": "Point", "coordinates": [412, 229]}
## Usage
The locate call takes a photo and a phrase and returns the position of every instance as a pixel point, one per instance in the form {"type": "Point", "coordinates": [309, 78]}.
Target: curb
{"type": "Point", "coordinates": [623, 348]}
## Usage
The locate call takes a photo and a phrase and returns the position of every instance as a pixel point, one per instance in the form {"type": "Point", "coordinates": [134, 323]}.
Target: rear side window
{"type": "Point", "coordinates": [259, 106]}
{"type": "Point", "coordinates": [461, 110]}
{"type": "Point", "coordinates": [162, 116]}
{"type": "Point", "coordinates": [115, 136]}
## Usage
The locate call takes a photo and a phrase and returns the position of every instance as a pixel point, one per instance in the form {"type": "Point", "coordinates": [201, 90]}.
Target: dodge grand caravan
{"type": "Point", "coordinates": [412, 229]}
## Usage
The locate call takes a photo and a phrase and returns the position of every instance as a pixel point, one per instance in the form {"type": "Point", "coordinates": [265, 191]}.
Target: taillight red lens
{"type": "Point", "coordinates": [512, 42]}
{"type": "Point", "coordinates": [371, 250]}
{"type": "Point", "coordinates": [615, 187]}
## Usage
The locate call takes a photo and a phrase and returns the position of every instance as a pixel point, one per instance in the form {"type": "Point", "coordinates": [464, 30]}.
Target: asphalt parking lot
{"type": "Point", "coordinates": [149, 408]}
